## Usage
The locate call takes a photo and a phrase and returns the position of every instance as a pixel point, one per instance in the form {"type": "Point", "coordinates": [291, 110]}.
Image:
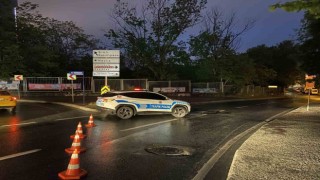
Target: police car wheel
{"type": "Point", "coordinates": [179, 112]}
{"type": "Point", "coordinates": [125, 112]}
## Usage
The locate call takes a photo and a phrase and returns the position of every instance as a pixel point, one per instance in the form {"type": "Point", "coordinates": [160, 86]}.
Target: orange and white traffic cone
{"type": "Point", "coordinates": [90, 122]}
{"type": "Point", "coordinates": [80, 132]}
{"type": "Point", "coordinates": [73, 171]}
{"type": "Point", "coordinates": [76, 144]}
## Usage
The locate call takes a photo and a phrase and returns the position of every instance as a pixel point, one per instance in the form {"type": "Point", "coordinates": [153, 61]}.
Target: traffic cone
{"type": "Point", "coordinates": [90, 122]}
{"type": "Point", "coordinates": [76, 144]}
{"type": "Point", "coordinates": [79, 130]}
{"type": "Point", "coordinates": [73, 171]}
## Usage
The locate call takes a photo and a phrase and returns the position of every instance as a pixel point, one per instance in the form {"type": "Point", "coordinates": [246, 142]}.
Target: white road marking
{"type": "Point", "coordinates": [152, 124]}
{"type": "Point", "coordinates": [162, 122]}
{"type": "Point", "coordinates": [242, 107]}
{"type": "Point", "coordinates": [19, 154]}
{"type": "Point", "coordinates": [20, 124]}
{"type": "Point", "coordinates": [63, 119]}
{"type": "Point", "coordinates": [137, 133]}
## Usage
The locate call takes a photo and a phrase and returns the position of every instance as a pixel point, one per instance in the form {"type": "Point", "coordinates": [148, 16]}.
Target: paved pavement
{"type": "Point", "coordinates": [285, 148]}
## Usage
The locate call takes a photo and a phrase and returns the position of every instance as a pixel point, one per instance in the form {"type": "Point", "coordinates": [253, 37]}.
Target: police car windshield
{"type": "Point", "coordinates": [145, 95]}
{"type": "Point", "coordinates": [140, 95]}
{"type": "Point", "coordinates": [109, 94]}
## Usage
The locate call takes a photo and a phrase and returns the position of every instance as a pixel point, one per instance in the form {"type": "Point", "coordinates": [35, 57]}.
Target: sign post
{"type": "Point", "coordinates": [79, 73]}
{"type": "Point", "coordinates": [310, 84]}
{"type": "Point", "coordinates": [106, 63]}
{"type": "Point", "coordinates": [308, 99]}
{"type": "Point", "coordinates": [18, 78]}
{"type": "Point", "coordinates": [72, 95]}
{"type": "Point", "coordinates": [71, 77]}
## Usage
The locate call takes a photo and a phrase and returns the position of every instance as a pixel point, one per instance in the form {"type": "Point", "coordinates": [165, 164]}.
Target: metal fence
{"type": "Point", "coordinates": [252, 90]}
{"type": "Point", "coordinates": [94, 85]}
{"type": "Point", "coordinates": [119, 84]}
{"type": "Point", "coordinates": [55, 84]}
{"type": "Point", "coordinates": [183, 86]}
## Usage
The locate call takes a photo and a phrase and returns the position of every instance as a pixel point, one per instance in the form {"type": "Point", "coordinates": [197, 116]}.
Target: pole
{"type": "Point", "coordinates": [83, 88]}
{"type": "Point", "coordinates": [19, 90]}
{"type": "Point", "coordinates": [106, 81]}
{"type": "Point", "coordinates": [72, 91]}
{"type": "Point", "coordinates": [308, 99]}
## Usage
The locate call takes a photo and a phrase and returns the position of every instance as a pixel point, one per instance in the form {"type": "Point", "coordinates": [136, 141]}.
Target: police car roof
{"type": "Point", "coordinates": [121, 92]}
{"type": "Point", "coordinates": [140, 90]}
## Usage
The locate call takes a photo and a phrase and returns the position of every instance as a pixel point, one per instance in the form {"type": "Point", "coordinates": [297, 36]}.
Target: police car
{"type": "Point", "coordinates": [126, 104]}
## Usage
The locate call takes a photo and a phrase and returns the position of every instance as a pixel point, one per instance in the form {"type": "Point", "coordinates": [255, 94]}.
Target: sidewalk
{"type": "Point", "coordinates": [285, 148]}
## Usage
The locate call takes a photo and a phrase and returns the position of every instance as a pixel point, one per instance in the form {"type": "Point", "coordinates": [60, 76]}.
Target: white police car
{"type": "Point", "coordinates": [129, 103]}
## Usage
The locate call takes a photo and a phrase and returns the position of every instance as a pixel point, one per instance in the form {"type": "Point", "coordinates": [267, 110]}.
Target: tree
{"type": "Point", "coordinates": [150, 40]}
{"type": "Point", "coordinates": [215, 46]}
{"type": "Point", "coordinates": [277, 65]}
{"type": "Point", "coordinates": [311, 6]}
{"type": "Point", "coordinates": [9, 54]}
{"type": "Point", "coordinates": [310, 44]}
{"type": "Point", "coordinates": [49, 47]}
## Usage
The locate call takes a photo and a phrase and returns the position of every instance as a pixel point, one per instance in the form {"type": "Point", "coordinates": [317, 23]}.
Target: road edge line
{"type": "Point", "coordinates": [201, 174]}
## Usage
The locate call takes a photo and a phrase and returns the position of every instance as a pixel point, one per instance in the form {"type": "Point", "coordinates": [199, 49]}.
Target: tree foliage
{"type": "Point", "coordinates": [55, 46]}
{"type": "Point", "coordinates": [309, 37]}
{"type": "Point", "coordinates": [149, 40]}
{"type": "Point", "coordinates": [9, 53]}
{"type": "Point", "coordinates": [215, 48]}
{"type": "Point", "coordinates": [277, 65]}
{"type": "Point", "coordinates": [311, 6]}
{"type": "Point", "coordinates": [34, 45]}
{"type": "Point", "coordinates": [310, 44]}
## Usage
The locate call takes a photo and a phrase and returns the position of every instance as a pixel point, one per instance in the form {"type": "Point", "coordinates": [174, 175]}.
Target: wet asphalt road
{"type": "Point", "coordinates": [115, 149]}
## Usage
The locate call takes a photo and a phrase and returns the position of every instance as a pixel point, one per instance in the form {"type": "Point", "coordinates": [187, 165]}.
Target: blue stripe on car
{"type": "Point", "coordinates": [138, 105]}
{"type": "Point", "coordinates": [158, 106]}
{"type": "Point", "coordinates": [120, 101]}
{"type": "Point", "coordinates": [150, 106]}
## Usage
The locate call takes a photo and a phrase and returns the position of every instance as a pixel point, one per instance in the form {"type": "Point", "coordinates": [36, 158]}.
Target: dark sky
{"type": "Point", "coordinates": [270, 27]}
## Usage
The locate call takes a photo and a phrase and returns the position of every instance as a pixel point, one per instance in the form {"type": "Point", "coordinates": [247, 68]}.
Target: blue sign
{"type": "Point", "coordinates": [78, 73]}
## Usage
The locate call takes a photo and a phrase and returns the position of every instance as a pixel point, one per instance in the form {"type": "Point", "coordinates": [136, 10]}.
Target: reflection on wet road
{"type": "Point", "coordinates": [116, 148]}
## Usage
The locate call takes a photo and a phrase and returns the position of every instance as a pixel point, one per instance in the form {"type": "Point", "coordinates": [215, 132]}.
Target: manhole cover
{"type": "Point", "coordinates": [169, 150]}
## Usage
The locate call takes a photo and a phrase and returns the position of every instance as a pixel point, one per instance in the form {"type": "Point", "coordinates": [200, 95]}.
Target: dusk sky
{"type": "Point", "coordinates": [270, 28]}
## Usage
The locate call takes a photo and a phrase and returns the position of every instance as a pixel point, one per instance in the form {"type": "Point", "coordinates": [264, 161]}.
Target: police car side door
{"type": "Point", "coordinates": [139, 99]}
{"type": "Point", "coordinates": [158, 103]}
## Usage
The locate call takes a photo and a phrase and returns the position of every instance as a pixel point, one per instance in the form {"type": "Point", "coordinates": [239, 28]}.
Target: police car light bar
{"type": "Point", "coordinates": [139, 89]}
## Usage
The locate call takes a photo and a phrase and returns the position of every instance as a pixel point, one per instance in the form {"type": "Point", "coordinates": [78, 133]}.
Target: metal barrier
{"type": "Point", "coordinates": [55, 84]}
{"type": "Point", "coordinates": [41, 84]}
{"type": "Point", "coordinates": [94, 85]}
{"type": "Point", "coordinates": [120, 84]}
{"type": "Point", "coordinates": [206, 88]}
{"type": "Point", "coordinates": [170, 86]}
{"type": "Point", "coordinates": [79, 83]}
